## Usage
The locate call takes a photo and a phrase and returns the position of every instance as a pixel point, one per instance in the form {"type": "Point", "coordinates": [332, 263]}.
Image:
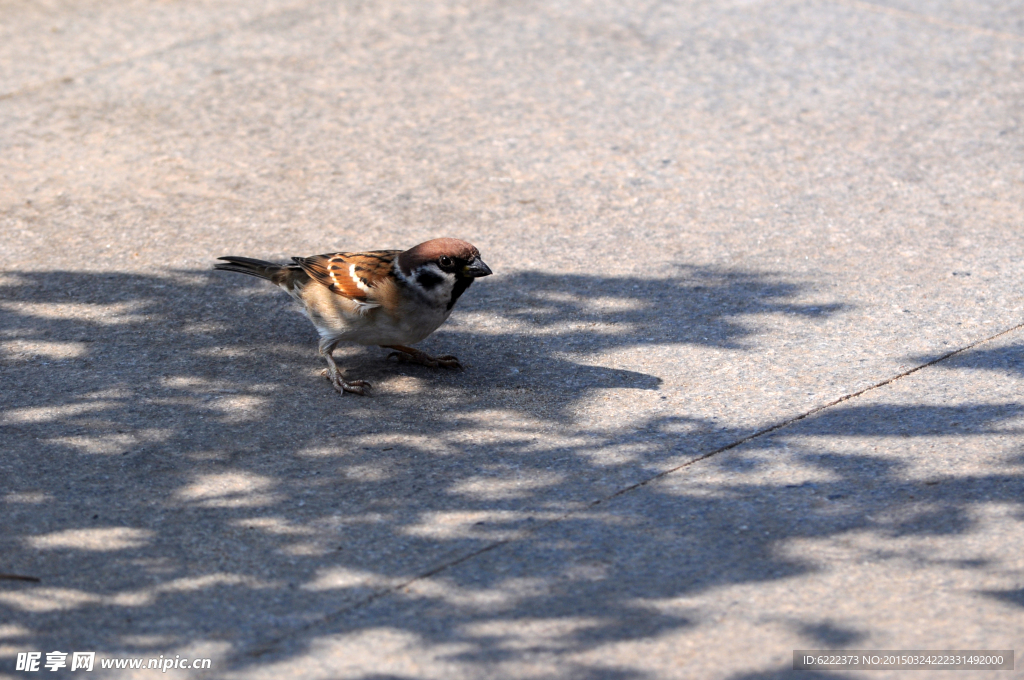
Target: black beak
{"type": "Point", "coordinates": [476, 269]}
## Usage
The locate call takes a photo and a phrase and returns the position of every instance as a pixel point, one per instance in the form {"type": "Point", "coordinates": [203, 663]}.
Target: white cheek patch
{"type": "Point", "coordinates": [438, 288]}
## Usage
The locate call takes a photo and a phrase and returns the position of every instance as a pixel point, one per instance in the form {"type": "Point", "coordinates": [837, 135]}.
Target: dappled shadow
{"type": "Point", "coordinates": [617, 574]}
{"type": "Point", "coordinates": [914, 420]}
{"type": "Point", "coordinates": [174, 463]}
{"type": "Point", "coordinates": [1005, 359]}
{"type": "Point", "coordinates": [699, 306]}
{"type": "Point", "coordinates": [787, 674]}
{"type": "Point", "coordinates": [1014, 597]}
{"type": "Point", "coordinates": [828, 635]}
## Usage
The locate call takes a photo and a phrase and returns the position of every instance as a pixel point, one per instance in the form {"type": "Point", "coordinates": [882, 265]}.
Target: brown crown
{"type": "Point", "coordinates": [430, 251]}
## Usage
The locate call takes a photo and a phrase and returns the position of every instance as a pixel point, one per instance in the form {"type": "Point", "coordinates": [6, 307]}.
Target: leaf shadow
{"type": "Point", "coordinates": [187, 408]}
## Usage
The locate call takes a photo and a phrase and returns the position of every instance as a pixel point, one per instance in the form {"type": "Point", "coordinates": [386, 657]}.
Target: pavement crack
{"type": "Point", "coordinates": [928, 19]}
{"type": "Point", "coordinates": [808, 414]}
{"type": "Point", "coordinates": [270, 645]}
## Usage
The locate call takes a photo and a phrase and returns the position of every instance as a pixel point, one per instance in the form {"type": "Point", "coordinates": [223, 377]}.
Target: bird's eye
{"type": "Point", "coordinates": [445, 261]}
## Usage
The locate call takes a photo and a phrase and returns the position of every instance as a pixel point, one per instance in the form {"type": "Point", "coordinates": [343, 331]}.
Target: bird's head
{"type": "Point", "coordinates": [443, 266]}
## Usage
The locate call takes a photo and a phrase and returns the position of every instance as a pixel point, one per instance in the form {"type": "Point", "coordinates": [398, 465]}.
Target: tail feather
{"type": "Point", "coordinates": [247, 265]}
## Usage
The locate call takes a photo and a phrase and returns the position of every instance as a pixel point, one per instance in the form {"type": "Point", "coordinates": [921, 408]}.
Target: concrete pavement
{"type": "Point", "coordinates": [746, 379]}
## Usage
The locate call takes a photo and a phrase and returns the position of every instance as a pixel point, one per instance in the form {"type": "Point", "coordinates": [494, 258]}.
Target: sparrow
{"type": "Point", "coordinates": [390, 298]}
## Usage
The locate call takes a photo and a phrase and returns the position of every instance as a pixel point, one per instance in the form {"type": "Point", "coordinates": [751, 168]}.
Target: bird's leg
{"type": "Point", "coordinates": [410, 355]}
{"type": "Point", "coordinates": [334, 375]}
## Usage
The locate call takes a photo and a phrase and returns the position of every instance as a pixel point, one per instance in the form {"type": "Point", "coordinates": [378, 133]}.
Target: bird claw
{"type": "Point", "coordinates": [341, 387]}
{"type": "Point", "coordinates": [424, 359]}
{"type": "Point", "coordinates": [448, 361]}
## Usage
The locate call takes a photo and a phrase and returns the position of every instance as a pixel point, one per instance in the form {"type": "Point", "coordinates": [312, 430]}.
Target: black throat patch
{"type": "Point", "coordinates": [461, 284]}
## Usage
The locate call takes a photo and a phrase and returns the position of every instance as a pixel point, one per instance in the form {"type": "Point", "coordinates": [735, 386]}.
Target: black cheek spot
{"type": "Point", "coordinates": [428, 279]}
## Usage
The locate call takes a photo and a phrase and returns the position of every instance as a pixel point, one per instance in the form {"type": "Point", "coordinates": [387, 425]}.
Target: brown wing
{"type": "Point", "coordinates": [351, 275]}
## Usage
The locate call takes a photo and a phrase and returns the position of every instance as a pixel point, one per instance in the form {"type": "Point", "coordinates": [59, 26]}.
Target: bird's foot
{"type": "Point", "coordinates": [341, 386]}
{"type": "Point", "coordinates": [408, 355]}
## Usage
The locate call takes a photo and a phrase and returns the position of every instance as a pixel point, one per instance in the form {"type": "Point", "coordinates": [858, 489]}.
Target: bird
{"type": "Point", "coordinates": [390, 298]}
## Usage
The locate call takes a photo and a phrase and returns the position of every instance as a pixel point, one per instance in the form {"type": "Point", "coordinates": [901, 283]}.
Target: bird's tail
{"type": "Point", "coordinates": [247, 265]}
